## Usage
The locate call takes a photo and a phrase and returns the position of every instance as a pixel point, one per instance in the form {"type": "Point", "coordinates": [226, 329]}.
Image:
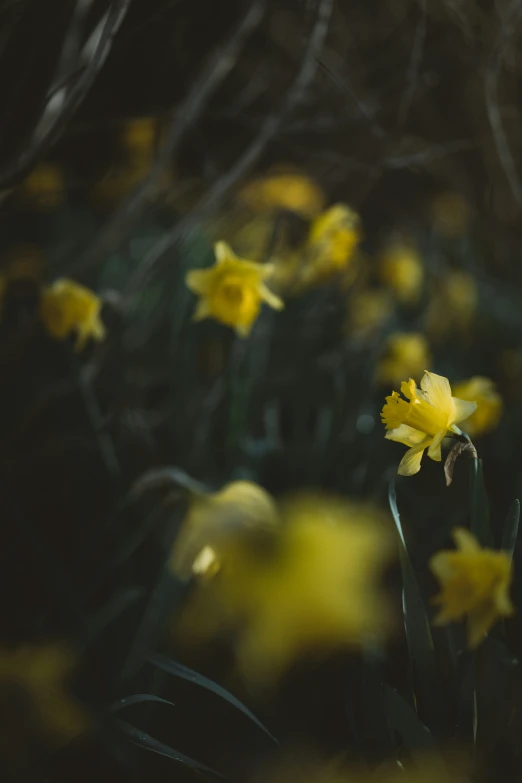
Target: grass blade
{"type": "Point", "coordinates": [509, 535]}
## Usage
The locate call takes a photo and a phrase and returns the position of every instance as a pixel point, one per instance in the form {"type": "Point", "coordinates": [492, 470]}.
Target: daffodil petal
{"type": "Point", "coordinates": [223, 251]}
{"type": "Point", "coordinates": [405, 434]}
{"type": "Point", "coordinates": [463, 409]}
{"type": "Point", "coordinates": [270, 298]}
{"type": "Point", "coordinates": [465, 540]}
{"type": "Point", "coordinates": [411, 462]}
{"type": "Point", "coordinates": [479, 623]}
{"type": "Point", "coordinates": [198, 280]}
{"type": "Point", "coordinates": [202, 310]}
{"type": "Point", "coordinates": [434, 451]}
{"type": "Point", "coordinates": [437, 389]}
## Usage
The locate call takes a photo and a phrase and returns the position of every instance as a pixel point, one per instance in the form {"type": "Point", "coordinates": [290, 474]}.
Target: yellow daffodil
{"type": "Point", "coordinates": [474, 583]}
{"type": "Point", "coordinates": [332, 242]}
{"type": "Point", "coordinates": [402, 270]}
{"type": "Point", "coordinates": [214, 519]}
{"type": "Point", "coordinates": [67, 307]}
{"type": "Point", "coordinates": [450, 213]}
{"type": "Point", "coordinates": [452, 306]}
{"type": "Point", "coordinates": [41, 672]}
{"type": "Point", "coordinates": [139, 136]}
{"type": "Point", "coordinates": [423, 419]}
{"type": "Point", "coordinates": [290, 191]}
{"type": "Point", "coordinates": [489, 404]}
{"type": "Point", "coordinates": [368, 310]}
{"type": "Point", "coordinates": [406, 354]}
{"type": "Point", "coordinates": [44, 187]}
{"type": "Point", "coordinates": [232, 291]}
{"type": "Point", "coordinates": [317, 590]}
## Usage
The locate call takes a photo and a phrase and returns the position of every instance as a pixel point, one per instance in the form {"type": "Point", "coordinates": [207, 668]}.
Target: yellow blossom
{"type": "Point", "coordinates": [332, 242]}
{"type": "Point", "coordinates": [24, 262]}
{"type": "Point", "coordinates": [406, 355]}
{"type": "Point", "coordinates": [212, 520]}
{"type": "Point", "coordinates": [423, 419]}
{"type": "Point", "coordinates": [290, 191]}
{"type": "Point", "coordinates": [450, 213]}
{"type": "Point", "coordinates": [67, 307]}
{"type": "Point", "coordinates": [139, 136]}
{"type": "Point", "coordinates": [41, 672]}
{"type": "Point", "coordinates": [317, 591]}
{"type": "Point", "coordinates": [452, 306]}
{"type": "Point", "coordinates": [232, 291]}
{"type": "Point", "coordinates": [474, 583]}
{"type": "Point", "coordinates": [369, 309]}
{"type": "Point", "coordinates": [44, 187]}
{"type": "Point", "coordinates": [401, 268]}
{"type": "Point", "coordinates": [489, 404]}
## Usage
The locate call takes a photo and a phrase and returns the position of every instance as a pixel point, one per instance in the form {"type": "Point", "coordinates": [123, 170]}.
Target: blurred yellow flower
{"type": "Point", "coordinates": [452, 306]}
{"type": "Point", "coordinates": [489, 404]}
{"type": "Point", "coordinates": [214, 519]}
{"type": "Point", "coordinates": [450, 213]}
{"type": "Point", "coordinates": [67, 307]}
{"type": "Point", "coordinates": [332, 242]}
{"type": "Point", "coordinates": [24, 262]}
{"type": "Point", "coordinates": [423, 419]}
{"type": "Point", "coordinates": [44, 187]}
{"type": "Point", "coordinates": [475, 583]}
{"type": "Point", "coordinates": [41, 672]}
{"type": "Point", "coordinates": [318, 591]}
{"type": "Point", "coordinates": [401, 268]}
{"type": "Point", "coordinates": [232, 291]}
{"type": "Point", "coordinates": [290, 191]}
{"type": "Point", "coordinates": [368, 310]}
{"type": "Point", "coordinates": [406, 354]}
{"type": "Point", "coordinates": [139, 136]}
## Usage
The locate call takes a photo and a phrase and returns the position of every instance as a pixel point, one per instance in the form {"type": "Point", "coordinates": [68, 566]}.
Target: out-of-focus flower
{"type": "Point", "coordinates": [489, 404]}
{"type": "Point", "coordinates": [452, 306]}
{"type": "Point", "coordinates": [475, 583]}
{"type": "Point", "coordinates": [318, 591]}
{"type": "Point", "coordinates": [213, 520]}
{"type": "Point", "coordinates": [401, 268]}
{"type": "Point", "coordinates": [423, 419]}
{"type": "Point", "coordinates": [44, 187]}
{"type": "Point", "coordinates": [24, 262]}
{"type": "Point", "coordinates": [290, 191]}
{"type": "Point", "coordinates": [40, 674]}
{"type": "Point", "coordinates": [332, 242]}
{"type": "Point", "coordinates": [67, 307]}
{"type": "Point", "coordinates": [368, 310]}
{"type": "Point", "coordinates": [139, 137]}
{"type": "Point", "coordinates": [232, 291]}
{"type": "Point", "coordinates": [406, 354]}
{"type": "Point", "coordinates": [450, 214]}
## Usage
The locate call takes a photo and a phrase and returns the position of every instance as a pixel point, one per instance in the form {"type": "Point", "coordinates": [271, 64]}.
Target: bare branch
{"type": "Point", "coordinates": [491, 86]}
{"type": "Point", "coordinates": [62, 104]}
{"type": "Point", "coordinates": [250, 156]}
{"type": "Point", "coordinates": [210, 79]}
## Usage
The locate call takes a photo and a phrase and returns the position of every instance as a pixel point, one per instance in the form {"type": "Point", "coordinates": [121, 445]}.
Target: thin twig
{"type": "Point", "coordinates": [412, 76]}
{"type": "Point", "coordinates": [53, 122]}
{"type": "Point", "coordinates": [250, 156]}
{"type": "Point", "coordinates": [506, 32]}
{"type": "Point", "coordinates": [210, 79]}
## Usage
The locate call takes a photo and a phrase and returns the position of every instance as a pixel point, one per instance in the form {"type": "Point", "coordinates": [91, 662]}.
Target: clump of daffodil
{"type": "Point", "coordinates": [369, 309]}
{"type": "Point", "coordinates": [402, 270]}
{"type": "Point", "coordinates": [450, 214]}
{"type": "Point", "coordinates": [452, 306]}
{"type": "Point", "coordinates": [332, 241]}
{"type": "Point", "coordinates": [69, 308]}
{"type": "Point", "coordinates": [286, 190]}
{"type": "Point", "coordinates": [44, 187]}
{"type": "Point", "coordinates": [406, 355]}
{"type": "Point", "coordinates": [489, 404]}
{"type": "Point", "coordinates": [42, 674]}
{"type": "Point", "coordinates": [232, 291]}
{"type": "Point", "coordinates": [474, 583]}
{"type": "Point", "coordinates": [423, 419]}
{"type": "Point", "coordinates": [318, 590]}
{"type": "Point", "coordinates": [213, 520]}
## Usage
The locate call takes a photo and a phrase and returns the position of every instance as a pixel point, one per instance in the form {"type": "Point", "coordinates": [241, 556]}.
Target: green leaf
{"type": "Point", "coordinates": [183, 672]}
{"type": "Point", "coordinates": [143, 740]}
{"type": "Point", "coordinates": [509, 535]}
{"type": "Point", "coordinates": [479, 509]}
{"type": "Point", "coordinates": [403, 719]}
{"type": "Point", "coordinates": [137, 698]}
{"type": "Point", "coordinates": [426, 677]}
